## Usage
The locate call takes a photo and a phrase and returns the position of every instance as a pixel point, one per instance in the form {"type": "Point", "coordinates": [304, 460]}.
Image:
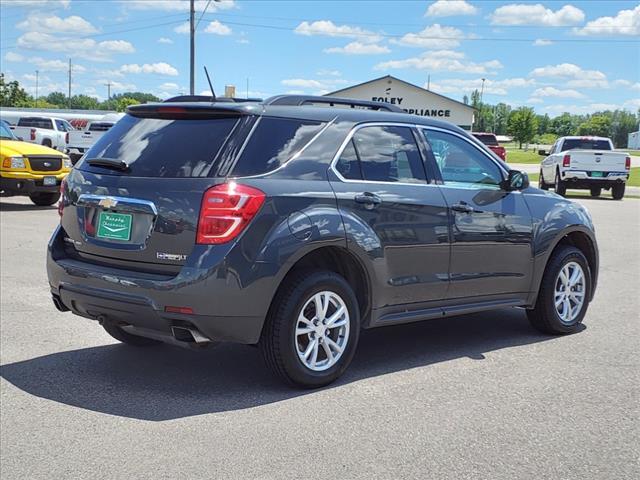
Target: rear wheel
{"type": "Point", "coordinates": [617, 191]}
{"type": "Point", "coordinates": [125, 337]}
{"type": "Point", "coordinates": [596, 191]}
{"type": "Point", "coordinates": [47, 142]}
{"type": "Point", "coordinates": [560, 186]}
{"type": "Point", "coordinates": [312, 330]}
{"type": "Point", "coordinates": [541, 184]}
{"type": "Point", "coordinates": [44, 199]}
{"type": "Point", "coordinates": [564, 293]}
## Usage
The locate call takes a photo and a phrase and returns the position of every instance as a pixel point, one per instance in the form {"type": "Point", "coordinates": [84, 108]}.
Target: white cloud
{"type": "Point", "coordinates": [13, 57]}
{"type": "Point", "coordinates": [217, 28]}
{"type": "Point", "coordinates": [626, 22]}
{"type": "Point", "coordinates": [538, 14]}
{"type": "Point", "coordinates": [442, 60]}
{"type": "Point", "coordinates": [628, 84]}
{"type": "Point", "coordinates": [330, 29]}
{"type": "Point", "coordinates": [166, 40]}
{"type": "Point", "coordinates": [495, 87]}
{"type": "Point", "coordinates": [47, 65]}
{"type": "Point", "coordinates": [557, 109]}
{"type": "Point", "coordinates": [183, 28]}
{"type": "Point", "coordinates": [542, 42]}
{"type": "Point", "coordinates": [78, 47]}
{"type": "Point", "coordinates": [319, 86]}
{"type": "Point", "coordinates": [54, 24]}
{"type": "Point", "coordinates": [170, 86]}
{"type": "Point", "coordinates": [535, 100]}
{"type": "Point", "coordinates": [450, 8]}
{"type": "Point", "coordinates": [557, 93]}
{"type": "Point", "coordinates": [357, 48]}
{"type": "Point", "coordinates": [31, 77]}
{"type": "Point", "coordinates": [118, 86]}
{"type": "Point", "coordinates": [178, 5]}
{"type": "Point", "coordinates": [433, 36]}
{"type": "Point", "coordinates": [41, 3]}
{"type": "Point", "coordinates": [330, 73]}
{"type": "Point", "coordinates": [633, 104]}
{"type": "Point", "coordinates": [568, 71]}
{"type": "Point", "coordinates": [159, 68]}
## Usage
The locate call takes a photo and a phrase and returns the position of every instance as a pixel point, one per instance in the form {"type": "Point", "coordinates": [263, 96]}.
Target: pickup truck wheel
{"type": "Point", "coordinates": [564, 293]}
{"type": "Point", "coordinates": [541, 183]}
{"type": "Point", "coordinates": [617, 191]}
{"type": "Point", "coordinates": [127, 338]}
{"type": "Point", "coordinates": [44, 199]}
{"type": "Point", "coordinates": [596, 191]}
{"type": "Point", "coordinates": [47, 143]}
{"type": "Point", "coordinates": [560, 186]}
{"type": "Point", "coordinates": [312, 329]}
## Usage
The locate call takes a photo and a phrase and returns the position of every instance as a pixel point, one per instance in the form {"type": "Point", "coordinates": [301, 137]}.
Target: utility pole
{"type": "Point", "coordinates": [37, 73]}
{"type": "Point", "coordinates": [69, 83]}
{"type": "Point", "coordinates": [108, 85]}
{"type": "Point", "coordinates": [192, 30]}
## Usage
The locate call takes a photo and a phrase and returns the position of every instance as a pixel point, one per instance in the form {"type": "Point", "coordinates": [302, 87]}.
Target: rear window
{"type": "Point", "coordinates": [161, 147]}
{"type": "Point", "coordinates": [35, 122]}
{"type": "Point", "coordinates": [100, 127]}
{"type": "Point", "coordinates": [585, 144]}
{"type": "Point", "coordinates": [486, 138]}
{"type": "Point", "coordinates": [273, 143]}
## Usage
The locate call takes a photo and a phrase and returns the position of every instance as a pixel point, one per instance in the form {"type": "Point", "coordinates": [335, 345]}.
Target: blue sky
{"type": "Point", "coordinates": [552, 55]}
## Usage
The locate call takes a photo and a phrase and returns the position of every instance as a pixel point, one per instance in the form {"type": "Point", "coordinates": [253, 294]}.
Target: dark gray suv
{"type": "Point", "coordinates": [296, 222]}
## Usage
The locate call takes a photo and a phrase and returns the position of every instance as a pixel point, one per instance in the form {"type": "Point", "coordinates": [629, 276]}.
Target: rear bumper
{"type": "Point", "coordinates": [225, 308]}
{"type": "Point", "coordinates": [26, 186]}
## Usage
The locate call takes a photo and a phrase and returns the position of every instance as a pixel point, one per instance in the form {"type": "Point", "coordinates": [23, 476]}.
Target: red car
{"type": "Point", "coordinates": [490, 140]}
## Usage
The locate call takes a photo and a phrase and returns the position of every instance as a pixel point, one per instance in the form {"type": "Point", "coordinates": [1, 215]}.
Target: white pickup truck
{"type": "Point", "coordinates": [48, 131]}
{"type": "Point", "coordinates": [82, 140]}
{"type": "Point", "coordinates": [585, 163]}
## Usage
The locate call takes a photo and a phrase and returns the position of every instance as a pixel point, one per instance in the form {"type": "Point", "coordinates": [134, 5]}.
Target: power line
{"type": "Point", "coordinates": [203, 12]}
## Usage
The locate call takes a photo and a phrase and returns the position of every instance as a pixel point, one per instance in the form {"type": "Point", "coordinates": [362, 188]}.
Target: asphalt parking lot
{"type": "Point", "coordinates": [480, 396]}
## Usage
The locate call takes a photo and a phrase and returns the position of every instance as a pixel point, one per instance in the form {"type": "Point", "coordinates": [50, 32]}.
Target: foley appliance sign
{"type": "Point", "coordinates": [424, 110]}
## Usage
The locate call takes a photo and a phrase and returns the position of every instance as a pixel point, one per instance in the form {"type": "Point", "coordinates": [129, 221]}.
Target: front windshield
{"type": "Point", "coordinates": [5, 132]}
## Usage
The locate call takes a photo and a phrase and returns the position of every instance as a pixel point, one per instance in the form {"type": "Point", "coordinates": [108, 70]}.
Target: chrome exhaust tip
{"type": "Point", "coordinates": [189, 335]}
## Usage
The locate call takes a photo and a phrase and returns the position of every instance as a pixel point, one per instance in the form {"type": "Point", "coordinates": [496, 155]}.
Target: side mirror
{"type": "Point", "coordinates": [516, 180]}
{"type": "Point", "coordinates": [543, 153]}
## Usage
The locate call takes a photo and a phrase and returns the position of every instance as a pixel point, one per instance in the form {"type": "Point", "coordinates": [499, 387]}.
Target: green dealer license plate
{"type": "Point", "coordinates": [597, 174]}
{"type": "Point", "coordinates": [116, 226]}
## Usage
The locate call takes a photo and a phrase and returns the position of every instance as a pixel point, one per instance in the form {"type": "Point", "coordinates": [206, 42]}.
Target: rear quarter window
{"type": "Point", "coordinates": [273, 143]}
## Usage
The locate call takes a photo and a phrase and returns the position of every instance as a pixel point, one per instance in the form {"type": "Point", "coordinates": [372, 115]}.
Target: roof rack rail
{"type": "Point", "coordinates": [299, 100]}
{"type": "Point", "coordinates": [209, 98]}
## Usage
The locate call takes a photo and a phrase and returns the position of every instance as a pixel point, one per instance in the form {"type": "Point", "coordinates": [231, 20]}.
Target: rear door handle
{"type": "Point", "coordinates": [370, 200]}
{"type": "Point", "coordinates": [462, 207]}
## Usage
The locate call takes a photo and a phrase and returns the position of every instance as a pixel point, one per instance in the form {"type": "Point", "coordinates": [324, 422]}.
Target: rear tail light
{"type": "Point", "coordinates": [226, 210]}
{"type": "Point", "coordinates": [66, 137]}
{"type": "Point", "coordinates": [63, 189]}
{"type": "Point", "coordinates": [566, 161]}
{"type": "Point", "coordinates": [627, 163]}
{"type": "Point", "coordinates": [32, 134]}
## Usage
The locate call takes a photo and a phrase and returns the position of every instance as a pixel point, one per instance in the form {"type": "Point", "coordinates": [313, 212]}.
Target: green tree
{"type": "Point", "coordinates": [123, 102]}
{"type": "Point", "coordinates": [57, 98]}
{"type": "Point", "coordinates": [522, 125]}
{"type": "Point", "coordinates": [562, 125]}
{"type": "Point", "coordinates": [465, 99]}
{"type": "Point", "coordinates": [544, 123]}
{"type": "Point", "coordinates": [622, 124]}
{"type": "Point", "coordinates": [140, 97]}
{"type": "Point", "coordinates": [84, 102]}
{"type": "Point", "coordinates": [12, 94]}
{"type": "Point", "coordinates": [597, 125]}
{"type": "Point", "coordinates": [501, 118]}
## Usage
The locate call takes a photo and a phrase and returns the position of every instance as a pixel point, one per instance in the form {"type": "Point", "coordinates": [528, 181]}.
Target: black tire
{"type": "Point", "coordinates": [596, 191]}
{"type": "Point", "coordinates": [127, 338]}
{"type": "Point", "coordinates": [617, 191]}
{"type": "Point", "coordinates": [541, 184]}
{"type": "Point", "coordinates": [44, 199]}
{"type": "Point", "coordinates": [544, 316]}
{"type": "Point", "coordinates": [278, 342]}
{"type": "Point", "coordinates": [560, 186]}
{"type": "Point", "coordinates": [47, 143]}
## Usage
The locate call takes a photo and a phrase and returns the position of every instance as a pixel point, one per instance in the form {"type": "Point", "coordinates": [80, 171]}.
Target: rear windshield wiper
{"type": "Point", "coordinates": [109, 163]}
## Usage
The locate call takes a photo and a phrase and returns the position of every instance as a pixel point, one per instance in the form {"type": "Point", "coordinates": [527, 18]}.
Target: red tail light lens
{"type": "Point", "coordinates": [226, 210]}
{"type": "Point", "coordinates": [63, 189]}
{"type": "Point", "coordinates": [627, 163]}
{"type": "Point", "coordinates": [32, 134]}
{"type": "Point", "coordinates": [566, 161]}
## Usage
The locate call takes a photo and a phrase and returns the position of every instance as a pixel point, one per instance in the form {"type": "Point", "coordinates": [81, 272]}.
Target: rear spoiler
{"type": "Point", "coordinates": [209, 98]}
{"type": "Point", "coordinates": [186, 111]}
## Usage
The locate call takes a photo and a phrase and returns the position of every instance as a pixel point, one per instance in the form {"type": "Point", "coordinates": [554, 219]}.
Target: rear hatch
{"type": "Point", "coordinates": [133, 201]}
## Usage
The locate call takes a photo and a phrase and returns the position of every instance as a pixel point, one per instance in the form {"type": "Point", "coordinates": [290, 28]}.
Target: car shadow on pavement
{"type": "Point", "coordinates": [22, 207]}
{"type": "Point", "coordinates": [163, 383]}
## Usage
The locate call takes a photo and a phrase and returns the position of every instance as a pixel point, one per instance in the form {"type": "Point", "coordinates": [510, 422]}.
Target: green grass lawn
{"type": "Point", "coordinates": [520, 156]}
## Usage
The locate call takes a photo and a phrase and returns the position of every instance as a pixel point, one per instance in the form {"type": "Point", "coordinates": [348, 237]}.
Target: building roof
{"type": "Point", "coordinates": [401, 81]}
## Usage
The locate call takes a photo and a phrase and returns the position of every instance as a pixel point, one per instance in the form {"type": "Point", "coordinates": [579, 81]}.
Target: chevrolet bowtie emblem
{"type": "Point", "coordinates": [108, 202]}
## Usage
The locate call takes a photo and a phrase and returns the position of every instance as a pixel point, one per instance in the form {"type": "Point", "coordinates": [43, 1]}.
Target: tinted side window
{"type": "Point", "coordinates": [34, 122]}
{"type": "Point", "coordinates": [348, 165]}
{"type": "Point", "coordinates": [461, 162]}
{"type": "Point", "coordinates": [61, 126]}
{"type": "Point", "coordinates": [273, 143]}
{"type": "Point", "coordinates": [389, 154]}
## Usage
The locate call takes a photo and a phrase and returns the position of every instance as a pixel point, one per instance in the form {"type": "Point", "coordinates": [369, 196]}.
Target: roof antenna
{"type": "Point", "coordinates": [213, 94]}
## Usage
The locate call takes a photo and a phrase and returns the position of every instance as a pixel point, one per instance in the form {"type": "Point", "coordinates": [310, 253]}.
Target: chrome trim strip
{"type": "Point", "coordinates": [129, 204]}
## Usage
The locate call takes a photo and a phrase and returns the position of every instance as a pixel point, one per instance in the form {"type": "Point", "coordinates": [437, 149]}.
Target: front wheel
{"type": "Point", "coordinates": [560, 186]}
{"type": "Point", "coordinates": [617, 191]}
{"type": "Point", "coordinates": [312, 329]}
{"type": "Point", "coordinates": [596, 191]}
{"type": "Point", "coordinates": [44, 199]}
{"type": "Point", "coordinates": [564, 293]}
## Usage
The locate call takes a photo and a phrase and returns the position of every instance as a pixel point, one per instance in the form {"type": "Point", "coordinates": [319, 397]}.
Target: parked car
{"type": "Point", "coordinates": [293, 225]}
{"type": "Point", "coordinates": [585, 163]}
{"type": "Point", "coordinates": [80, 141]}
{"type": "Point", "coordinates": [31, 170]}
{"type": "Point", "coordinates": [48, 131]}
{"type": "Point", "coordinates": [491, 141]}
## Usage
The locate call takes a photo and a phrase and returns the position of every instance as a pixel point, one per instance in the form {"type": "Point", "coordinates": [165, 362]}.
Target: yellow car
{"type": "Point", "coordinates": [32, 170]}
